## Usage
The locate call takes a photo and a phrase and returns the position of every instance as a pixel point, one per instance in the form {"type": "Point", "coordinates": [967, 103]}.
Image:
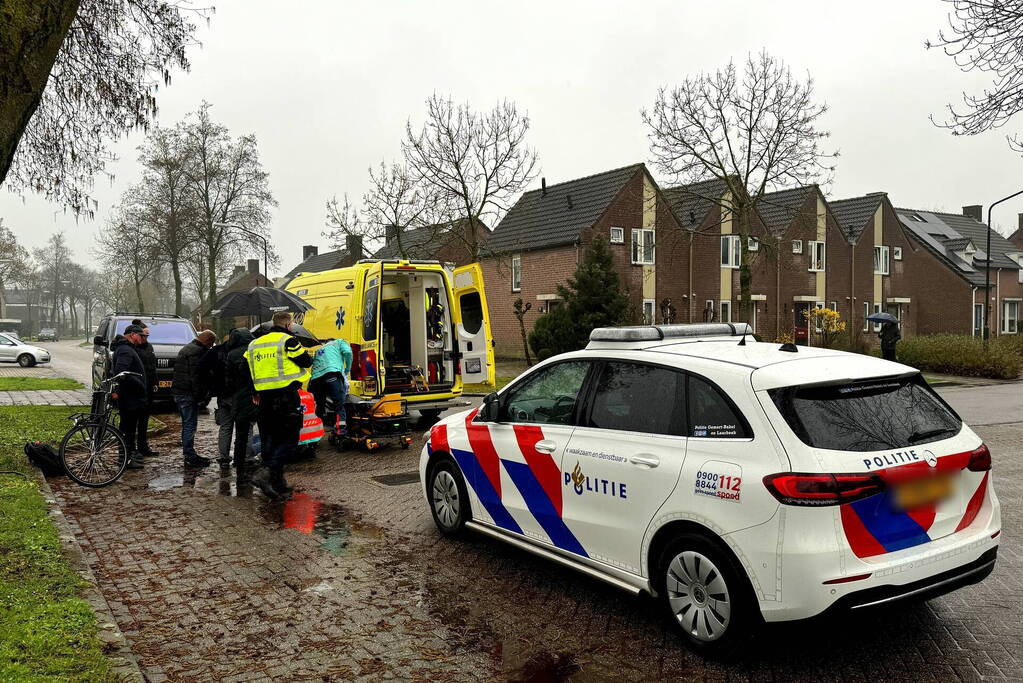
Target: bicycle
{"type": "Point", "coordinates": [94, 452]}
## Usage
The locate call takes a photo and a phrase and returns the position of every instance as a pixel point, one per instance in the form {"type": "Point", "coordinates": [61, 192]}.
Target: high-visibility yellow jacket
{"type": "Point", "coordinates": [271, 364]}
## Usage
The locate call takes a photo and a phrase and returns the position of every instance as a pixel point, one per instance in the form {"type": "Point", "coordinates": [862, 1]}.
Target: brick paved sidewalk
{"type": "Point", "coordinates": [349, 580]}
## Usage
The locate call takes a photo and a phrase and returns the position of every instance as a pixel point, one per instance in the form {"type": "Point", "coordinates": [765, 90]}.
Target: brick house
{"type": "Point", "coordinates": [433, 243]}
{"type": "Point", "coordinates": [952, 296]}
{"type": "Point", "coordinates": [883, 265]}
{"type": "Point", "coordinates": [542, 238]}
{"type": "Point", "coordinates": [315, 262]}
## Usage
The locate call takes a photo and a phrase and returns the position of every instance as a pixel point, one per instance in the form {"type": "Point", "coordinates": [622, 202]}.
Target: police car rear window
{"type": "Point", "coordinates": [867, 416]}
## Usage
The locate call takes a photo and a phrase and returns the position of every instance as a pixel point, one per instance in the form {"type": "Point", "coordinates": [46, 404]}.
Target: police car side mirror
{"type": "Point", "coordinates": [489, 409]}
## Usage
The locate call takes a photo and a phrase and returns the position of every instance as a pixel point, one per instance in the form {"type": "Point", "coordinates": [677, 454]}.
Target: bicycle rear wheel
{"type": "Point", "coordinates": [94, 455]}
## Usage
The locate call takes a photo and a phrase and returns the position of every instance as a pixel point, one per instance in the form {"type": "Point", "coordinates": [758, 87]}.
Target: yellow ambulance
{"type": "Point", "coordinates": [416, 328]}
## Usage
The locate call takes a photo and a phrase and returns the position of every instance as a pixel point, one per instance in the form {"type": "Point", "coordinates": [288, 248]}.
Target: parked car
{"type": "Point", "coordinates": [167, 334]}
{"type": "Point", "coordinates": [47, 334]}
{"type": "Point", "coordinates": [737, 481]}
{"type": "Point", "coordinates": [13, 350]}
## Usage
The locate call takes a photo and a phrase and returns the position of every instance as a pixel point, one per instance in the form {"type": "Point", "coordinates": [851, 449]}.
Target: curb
{"type": "Point", "coordinates": [124, 666]}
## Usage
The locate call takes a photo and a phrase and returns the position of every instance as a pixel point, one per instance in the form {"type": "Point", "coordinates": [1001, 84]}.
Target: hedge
{"type": "Point", "coordinates": [957, 354]}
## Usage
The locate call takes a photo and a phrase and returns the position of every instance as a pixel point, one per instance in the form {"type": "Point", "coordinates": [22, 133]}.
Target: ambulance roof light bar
{"type": "Point", "coordinates": [640, 333]}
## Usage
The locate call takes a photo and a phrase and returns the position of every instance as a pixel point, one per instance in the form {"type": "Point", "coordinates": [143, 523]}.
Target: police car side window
{"type": "Point", "coordinates": [549, 396]}
{"type": "Point", "coordinates": [711, 414]}
{"type": "Point", "coordinates": [639, 398]}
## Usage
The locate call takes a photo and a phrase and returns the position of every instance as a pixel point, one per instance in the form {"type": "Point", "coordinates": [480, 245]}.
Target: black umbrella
{"type": "Point", "coordinates": [882, 317]}
{"type": "Point", "coordinates": [261, 302]}
{"type": "Point", "coordinates": [297, 331]}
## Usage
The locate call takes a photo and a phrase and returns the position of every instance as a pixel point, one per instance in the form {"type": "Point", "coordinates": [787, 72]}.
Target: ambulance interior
{"type": "Point", "coordinates": [416, 328]}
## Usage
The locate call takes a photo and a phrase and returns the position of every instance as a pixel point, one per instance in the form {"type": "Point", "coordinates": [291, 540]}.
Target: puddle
{"type": "Point", "coordinates": [546, 667]}
{"type": "Point", "coordinates": [337, 526]}
{"type": "Point", "coordinates": [204, 481]}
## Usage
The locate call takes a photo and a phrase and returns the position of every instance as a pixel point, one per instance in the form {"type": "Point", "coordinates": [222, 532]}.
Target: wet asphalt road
{"type": "Point", "coordinates": [349, 580]}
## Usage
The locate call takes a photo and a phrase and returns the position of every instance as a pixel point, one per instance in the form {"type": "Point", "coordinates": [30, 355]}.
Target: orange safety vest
{"type": "Point", "coordinates": [312, 426]}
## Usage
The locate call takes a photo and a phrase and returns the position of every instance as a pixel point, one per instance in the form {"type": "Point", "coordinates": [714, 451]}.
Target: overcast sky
{"type": "Point", "coordinates": [327, 87]}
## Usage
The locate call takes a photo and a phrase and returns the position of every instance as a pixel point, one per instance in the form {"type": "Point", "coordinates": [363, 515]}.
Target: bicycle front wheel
{"type": "Point", "coordinates": [94, 455]}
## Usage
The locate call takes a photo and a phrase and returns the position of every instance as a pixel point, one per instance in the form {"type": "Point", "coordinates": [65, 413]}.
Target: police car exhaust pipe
{"type": "Point", "coordinates": [536, 550]}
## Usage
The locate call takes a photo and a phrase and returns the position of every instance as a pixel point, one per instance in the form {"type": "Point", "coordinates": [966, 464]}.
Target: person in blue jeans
{"type": "Point", "coordinates": [189, 390]}
{"type": "Point", "coordinates": [331, 366]}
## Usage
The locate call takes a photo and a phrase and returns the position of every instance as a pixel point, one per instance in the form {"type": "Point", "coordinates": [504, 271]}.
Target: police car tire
{"type": "Point", "coordinates": [741, 617]}
{"type": "Point", "coordinates": [441, 475]}
{"type": "Point", "coordinates": [430, 415]}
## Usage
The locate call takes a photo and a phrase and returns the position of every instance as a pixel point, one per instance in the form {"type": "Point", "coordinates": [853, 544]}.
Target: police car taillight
{"type": "Point", "coordinates": [795, 488]}
{"type": "Point", "coordinates": [980, 459]}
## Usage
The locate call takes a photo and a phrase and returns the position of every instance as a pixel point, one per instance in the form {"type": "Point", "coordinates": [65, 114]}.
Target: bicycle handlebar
{"type": "Point", "coordinates": [119, 375]}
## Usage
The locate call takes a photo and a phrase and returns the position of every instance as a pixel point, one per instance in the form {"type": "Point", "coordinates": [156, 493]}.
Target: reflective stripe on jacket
{"type": "Point", "coordinates": [271, 364]}
{"type": "Point", "coordinates": [312, 425]}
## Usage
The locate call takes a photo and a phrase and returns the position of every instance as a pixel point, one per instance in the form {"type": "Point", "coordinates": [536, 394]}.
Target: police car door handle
{"type": "Point", "coordinates": [646, 460]}
{"type": "Point", "coordinates": [546, 446]}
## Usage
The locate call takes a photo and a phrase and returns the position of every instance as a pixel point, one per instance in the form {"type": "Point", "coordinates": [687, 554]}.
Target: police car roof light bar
{"type": "Point", "coordinates": [661, 332]}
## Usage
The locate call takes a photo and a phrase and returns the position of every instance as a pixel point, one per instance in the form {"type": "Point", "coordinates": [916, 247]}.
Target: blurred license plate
{"type": "Point", "coordinates": [913, 494]}
{"type": "Point", "coordinates": [165, 383]}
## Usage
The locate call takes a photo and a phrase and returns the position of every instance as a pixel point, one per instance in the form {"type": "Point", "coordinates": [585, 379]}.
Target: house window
{"type": "Point", "coordinates": [880, 260]}
{"type": "Point", "coordinates": [1010, 317]}
{"type": "Point", "coordinates": [817, 256]}
{"type": "Point", "coordinates": [708, 311]}
{"type": "Point", "coordinates": [866, 312]}
{"type": "Point", "coordinates": [877, 309]}
{"type": "Point", "coordinates": [730, 251]}
{"type": "Point", "coordinates": [897, 253]}
{"type": "Point", "coordinates": [648, 311]}
{"type": "Point", "coordinates": [833, 306]}
{"type": "Point", "coordinates": [797, 246]}
{"type": "Point", "coordinates": [753, 244]}
{"type": "Point", "coordinates": [642, 246]}
{"type": "Point", "coordinates": [726, 311]}
{"type": "Point", "coordinates": [617, 235]}
{"type": "Point", "coordinates": [978, 319]}
{"type": "Point", "coordinates": [516, 273]}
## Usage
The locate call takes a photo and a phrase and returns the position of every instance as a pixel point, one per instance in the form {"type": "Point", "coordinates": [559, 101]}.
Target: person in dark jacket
{"type": "Point", "coordinates": [889, 336]}
{"type": "Point", "coordinates": [237, 399]}
{"type": "Point", "coordinates": [189, 390]}
{"type": "Point", "coordinates": [213, 373]}
{"type": "Point", "coordinates": [131, 390]}
{"type": "Point", "coordinates": [148, 357]}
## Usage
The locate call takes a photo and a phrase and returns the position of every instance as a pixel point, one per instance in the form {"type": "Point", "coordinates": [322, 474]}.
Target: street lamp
{"type": "Point", "coordinates": [266, 250]}
{"type": "Point", "coordinates": [987, 270]}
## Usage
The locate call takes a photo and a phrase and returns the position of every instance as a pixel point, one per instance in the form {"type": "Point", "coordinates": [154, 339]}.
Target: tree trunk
{"type": "Point", "coordinates": [745, 274]}
{"type": "Point", "coordinates": [212, 273]}
{"type": "Point", "coordinates": [176, 274]}
{"type": "Point", "coordinates": [31, 34]}
{"type": "Point", "coordinates": [138, 296]}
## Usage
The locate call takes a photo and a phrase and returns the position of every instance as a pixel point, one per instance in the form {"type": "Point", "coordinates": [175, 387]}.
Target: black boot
{"type": "Point", "coordinates": [134, 461]}
{"type": "Point", "coordinates": [263, 480]}
{"type": "Point", "coordinates": [278, 482]}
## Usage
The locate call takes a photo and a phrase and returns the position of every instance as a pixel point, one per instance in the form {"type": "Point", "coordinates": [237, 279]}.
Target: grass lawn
{"type": "Point", "coordinates": [46, 631]}
{"type": "Point", "coordinates": [485, 388]}
{"type": "Point", "coordinates": [37, 383]}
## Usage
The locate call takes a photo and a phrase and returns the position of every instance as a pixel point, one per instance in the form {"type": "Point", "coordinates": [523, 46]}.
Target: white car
{"type": "Point", "coordinates": [26, 355]}
{"type": "Point", "coordinates": [739, 481]}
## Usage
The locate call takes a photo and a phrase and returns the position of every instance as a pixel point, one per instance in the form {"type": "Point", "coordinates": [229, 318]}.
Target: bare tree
{"type": "Point", "coordinates": [54, 261]}
{"type": "Point", "coordinates": [757, 132]}
{"type": "Point", "coordinates": [344, 219]}
{"type": "Point", "coordinates": [396, 203]}
{"type": "Point", "coordinates": [14, 261]}
{"type": "Point", "coordinates": [168, 203]}
{"type": "Point", "coordinates": [987, 36]}
{"type": "Point", "coordinates": [228, 185]}
{"type": "Point", "coordinates": [475, 162]}
{"type": "Point", "coordinates": [130, 242]}
{"type": "Point", "coordinates": [75, 74]}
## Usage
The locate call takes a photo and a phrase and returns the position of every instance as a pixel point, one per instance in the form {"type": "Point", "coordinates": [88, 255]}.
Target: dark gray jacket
{"type": "Point", "coordinates": [131, 391]}
{"type": "Point", "coordinates": [187, 378]}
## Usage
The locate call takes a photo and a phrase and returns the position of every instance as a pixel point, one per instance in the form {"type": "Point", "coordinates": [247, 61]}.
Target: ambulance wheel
{"type": "Point", "coordinates": [449, 500]}
{"type": "Point", "coordinates": [430, 416]}
{"type": "Point", "coordinates": [706, 594]}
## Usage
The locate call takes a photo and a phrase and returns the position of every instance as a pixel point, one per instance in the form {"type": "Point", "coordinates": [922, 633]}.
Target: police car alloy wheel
{"type": "Point", "coordinates": [449, 502]}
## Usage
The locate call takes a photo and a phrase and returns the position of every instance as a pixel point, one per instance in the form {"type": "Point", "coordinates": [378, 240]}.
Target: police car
{"type": "Point", "coordinates": [738, 481]}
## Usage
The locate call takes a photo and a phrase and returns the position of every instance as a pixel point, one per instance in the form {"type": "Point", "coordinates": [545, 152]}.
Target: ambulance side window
{"type": "Point", "coordinates": [471, 307]}
{"type": "Point", "coordinates": [369, 316]}
{"type": "Point", "coordinates": [712, 415]}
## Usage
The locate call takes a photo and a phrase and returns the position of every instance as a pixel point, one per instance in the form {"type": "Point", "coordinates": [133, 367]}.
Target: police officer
{"type": "Point", "coordinates": [277, 365]}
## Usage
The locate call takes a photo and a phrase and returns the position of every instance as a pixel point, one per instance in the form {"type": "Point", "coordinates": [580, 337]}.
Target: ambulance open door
{"type": "Point", "coordinates": [472, 325]}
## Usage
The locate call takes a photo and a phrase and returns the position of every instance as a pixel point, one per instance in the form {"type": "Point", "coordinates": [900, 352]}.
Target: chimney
{"type": "Point", "coordinates": [253, 264]}
{"type": "Point", "coordinates": [1019, 220]}
{"type": "Point", "coordinates": [309, 251]}
{"type": "Point", "coordinates": [569, 198]}
{"type": "Point", "coordinates": [353, 245]}
{"type": "Point", "coordinates": [543, 187]}
{"type": "Point", "coordinates": [974, 211]}
{"type": "Point", "coordinates": [390, 233]}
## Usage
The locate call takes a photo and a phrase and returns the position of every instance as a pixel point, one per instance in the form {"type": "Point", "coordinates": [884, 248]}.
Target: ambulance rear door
{"type": "Point", "coordinates": [472, 325]}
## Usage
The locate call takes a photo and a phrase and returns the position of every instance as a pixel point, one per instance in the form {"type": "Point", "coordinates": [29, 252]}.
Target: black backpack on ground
{"type": "Point", "coordinates": [45, 458]}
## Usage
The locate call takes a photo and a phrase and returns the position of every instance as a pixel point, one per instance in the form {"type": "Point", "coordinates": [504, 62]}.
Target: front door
{"type": "Point", "coordinates": [7, 348]}
{"type": "Point", "coordinates": [536, 419]}
{"type": "Point", "coordinates": [800, 324]}
{"type": "Point", "coordinates": [978, 319]}
{"type": "Point", "coordinates": [624, 459]}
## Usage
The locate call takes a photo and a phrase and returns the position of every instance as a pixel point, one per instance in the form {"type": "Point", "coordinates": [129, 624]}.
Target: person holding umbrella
{"type": "Point", "coordinates": [278, 364]}
{"type": "Point", "coordinates": [889, 334]}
